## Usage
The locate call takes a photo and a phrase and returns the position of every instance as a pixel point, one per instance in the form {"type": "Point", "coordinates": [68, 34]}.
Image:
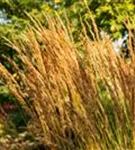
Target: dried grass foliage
{"type": "Point", "coordinates": [63, 88]}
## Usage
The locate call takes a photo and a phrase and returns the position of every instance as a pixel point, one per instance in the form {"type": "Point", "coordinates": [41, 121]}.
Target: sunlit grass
{"type": "Point", "coordinates": [82, 97]}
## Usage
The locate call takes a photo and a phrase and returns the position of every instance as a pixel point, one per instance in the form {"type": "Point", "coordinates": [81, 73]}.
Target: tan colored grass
{"type": "Point", "coordinates": [63, 88]}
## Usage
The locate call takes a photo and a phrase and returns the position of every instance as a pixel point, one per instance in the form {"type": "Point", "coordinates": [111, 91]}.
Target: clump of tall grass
{"type": "Point", "coordinates": [81, 98]}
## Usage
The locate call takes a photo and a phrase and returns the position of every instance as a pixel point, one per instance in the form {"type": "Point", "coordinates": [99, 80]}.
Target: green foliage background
{"type": "Point", "coordinates": [109, 15]}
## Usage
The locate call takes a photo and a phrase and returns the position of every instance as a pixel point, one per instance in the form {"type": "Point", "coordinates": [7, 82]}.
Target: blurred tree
{"type": "Point", "coordinates": [110, 16]}
{"type": "Point", "coordinates": [13, 18]}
